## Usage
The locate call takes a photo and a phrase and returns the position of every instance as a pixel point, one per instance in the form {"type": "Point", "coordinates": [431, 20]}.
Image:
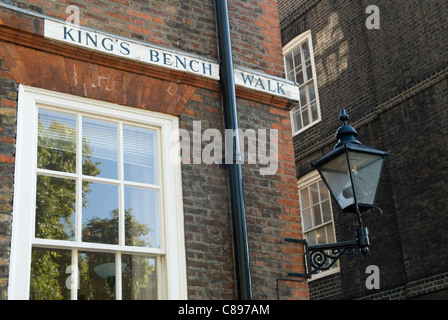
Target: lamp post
{"type": "Point", "coordinates": [352, 172]}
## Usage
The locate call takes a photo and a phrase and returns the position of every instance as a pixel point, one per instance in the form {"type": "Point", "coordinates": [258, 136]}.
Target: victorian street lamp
{"type": "Point", "coordinates": [352, 173]}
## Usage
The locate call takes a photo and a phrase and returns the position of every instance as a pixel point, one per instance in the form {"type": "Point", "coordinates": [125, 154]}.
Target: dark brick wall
{"type": "Point", "coordinates": [392, 82]}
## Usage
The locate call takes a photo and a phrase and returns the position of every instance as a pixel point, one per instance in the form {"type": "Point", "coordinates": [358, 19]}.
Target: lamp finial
{"type": "Point", "coordinates": [345, 133]}
{"type": "Point", "coordinates": [343, 116]}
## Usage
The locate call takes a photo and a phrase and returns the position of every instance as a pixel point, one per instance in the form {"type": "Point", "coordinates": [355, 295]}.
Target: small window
{"type": "Point", "coordinates": [299, 65]}
{"type": "Point", "coordinates": [98, 213]}
{"type": "Point", "coordinates": [317, 214]}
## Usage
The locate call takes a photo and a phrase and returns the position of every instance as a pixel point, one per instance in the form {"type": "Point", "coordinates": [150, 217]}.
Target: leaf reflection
{"type": "Point", "coordinates": [55, 219]}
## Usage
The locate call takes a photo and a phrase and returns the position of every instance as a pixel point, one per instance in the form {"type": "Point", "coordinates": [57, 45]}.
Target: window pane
{"type": "Point", "coordinates": [290, 76]}
{"type": "Point", "coordinates": [289, 63]}
{"type": "Point", "coordinates": [139, 278]}
{"type": "Point", "coordinates": [305, 117]}
{"type": "Point", "coordinates": [297, 58]}
{"type": "Point", "coordinates": [321, 237]}
{"type": "Point", "coordinates": [304, 198]}
{"type": "Point", "coordinates": [311, 238]}
{"type": "Point", "coordinates": [307, 221]}
{"type": "Point", "coordinates": [299, 76]}
{"type": "Point", "coordinates": [311, 92]}
{"type": "Point", "coordinates": [100, 213]}
{"type": "Point", "coordinates": [314, 192]}
{"type": "Point", "coordinates": [142, 217]}
{"type": "Point", "coordinates": [317, 215]}
{"type": "Point", "coordinates": [139, 155]}
{"type": "Point", "coordinates": [99, 148]}
{"type": "Point", "coordinates": [97, 276]}
{"type": "Point", "coordinates": [326, 211]}
{"type": "Point", "coordinates": [55, 208]}
{"type": "Point", "coordinates": [330, 233]}
{"type": "Point", "coordinates": [306, 50]}
{"type": "Point", "coordinates": [324, 193]}
{"type": "Point", "coordinates": [48, 274]}
{"type": "Point", "coordinates": [297, 121]}
{"type": "Point", "coordinates": [314, 112]}
{"type": "Point", "coordinates": [303, 100]}
{"type": "Point", "coordinates": [309, 72]}
{"type": "Point", "coordinates": [56, 143]}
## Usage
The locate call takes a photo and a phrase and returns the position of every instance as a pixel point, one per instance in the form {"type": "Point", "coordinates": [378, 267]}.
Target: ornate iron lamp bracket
{"type": "Point", "coordinates": [323, 256]}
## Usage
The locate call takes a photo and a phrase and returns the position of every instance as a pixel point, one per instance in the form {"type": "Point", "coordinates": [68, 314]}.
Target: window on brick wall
{"type": "Point", "coordinates": [97, 207]}
{"type": "Point", "coordinates": [317, 214]}
{"type": "Point", "coordinates": [299, 66]}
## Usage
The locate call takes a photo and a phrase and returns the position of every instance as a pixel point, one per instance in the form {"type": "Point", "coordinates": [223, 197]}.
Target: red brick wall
{"type": "Point", "coordinates": [183, 25]}
{"type": "Point", "coordinates": [271, 201]}
{"type": "Point", "coordinates": [272, 204]}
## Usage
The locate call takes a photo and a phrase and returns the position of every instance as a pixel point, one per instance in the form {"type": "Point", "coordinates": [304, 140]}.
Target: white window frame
{"type": "Point", "coordinates": [171, 255]}
{"type": "Point", "coordinates": [290, 46]}
{"type": "Point", "coordinates": [305, 181]}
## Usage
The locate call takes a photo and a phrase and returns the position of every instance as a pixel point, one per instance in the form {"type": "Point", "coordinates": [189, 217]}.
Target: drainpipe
{"type": "Point", "coordinates": [241, 248]}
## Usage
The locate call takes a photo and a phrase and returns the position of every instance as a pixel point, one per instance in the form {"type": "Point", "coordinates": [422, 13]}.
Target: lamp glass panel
{"type": "Point", "coordinates": [336, 175]}
{"type": "Point", "coordinates": [366, 171]}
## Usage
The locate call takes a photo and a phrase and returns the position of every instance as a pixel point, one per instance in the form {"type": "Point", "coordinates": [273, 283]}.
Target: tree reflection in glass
{"type": "Point", "coordinates": [94, 284]}
{"type": "Point", "coordinates": [100, 213]}
{"type": "Point", "coordinates": [56, 197]}
{"type": "Point", "coordinates": [56, 144]}
{"type": "Point", "coordinates": [139, 278]}
{"type": "Point", "coordinates": [100, 146]}
{"type": "Point", "coordinates": [142, 217]}
{"type": "Point", "coordinates": [48, 274]}
{"type": "Point", "coordinates": [56, 209]}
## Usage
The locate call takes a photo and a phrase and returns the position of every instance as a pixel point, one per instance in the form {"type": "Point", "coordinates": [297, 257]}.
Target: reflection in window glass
{"type": "Point", "coordinates": [299, 67]}
{"type": "Point", "coordinates": [100, 148]}
{"type": "Point", "coordinates": [55, 208]}
{"type": "Point", "coordinates": [142, 217]}
{"type": "Point", "coordinates": [139, 155]}
{"type": "Point", "coordinates": [326, 210]}
{"type": "Point", "coordinates": [139, 278]}
{"type": "Point", "coordinates": [306, 216]}
{"type": "Point", "coordinates": [321, 235]}
{"type": "Point", "coordinates": [56, 143]}
{"type": "Point", "coordinates": [97, 276]}
{"type": "Point", "coordinates": [100, 213]}
{"type": "Point", "coordinates": [317, 216]}
{"type": "Point", "coordinates": [99, 176]}
{"type": "Point", "coordinates": [48, 274]}
{"type": "Point", "coordinates": [316, 211]}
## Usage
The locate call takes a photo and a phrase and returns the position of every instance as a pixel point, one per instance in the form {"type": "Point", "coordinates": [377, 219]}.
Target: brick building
{"type": "Point", "coordinates": [95, 202]}
{"type": "Point", "coordinates": [385, 63]}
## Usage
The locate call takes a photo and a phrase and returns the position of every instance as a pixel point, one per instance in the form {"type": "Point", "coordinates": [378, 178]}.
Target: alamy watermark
{"type": "Point", "coordinates": [373, 280]}
{"type": "Point", "coordinates": [73, 18]}
{"type": "Point", "coordinates": [211, 147]}
{"type": "Point", "coordinates": [373, 21]}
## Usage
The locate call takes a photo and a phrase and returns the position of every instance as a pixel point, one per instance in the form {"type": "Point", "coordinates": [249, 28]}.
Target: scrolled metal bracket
{"type": "Point", "coordinates": [323, 256]}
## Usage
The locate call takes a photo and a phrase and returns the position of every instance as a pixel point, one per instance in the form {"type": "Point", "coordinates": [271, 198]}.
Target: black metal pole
{"type": "Point", "coordinates": [244, 284]}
